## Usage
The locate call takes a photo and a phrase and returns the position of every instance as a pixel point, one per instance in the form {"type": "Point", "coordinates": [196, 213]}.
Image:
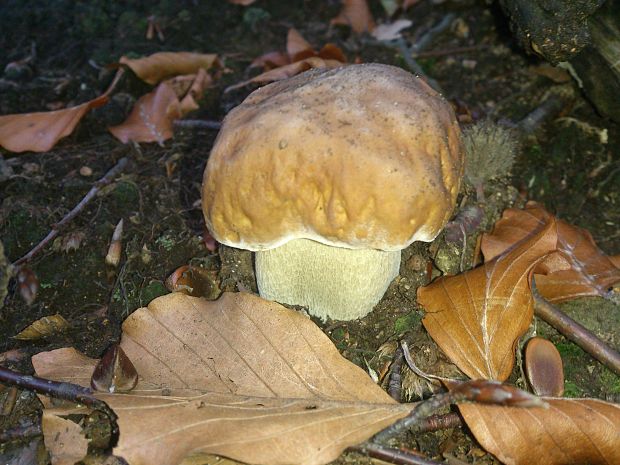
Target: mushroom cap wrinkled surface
{"type": "Point", "coordinates": [363, 156]}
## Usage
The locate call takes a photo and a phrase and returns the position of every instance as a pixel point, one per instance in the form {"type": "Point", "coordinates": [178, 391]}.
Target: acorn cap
{"type": "Point", "coordinates": [363, 156]}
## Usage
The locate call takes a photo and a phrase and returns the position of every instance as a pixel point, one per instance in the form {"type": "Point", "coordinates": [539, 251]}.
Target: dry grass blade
{"type": "Point", "coordinates": [570, 431]}
{"type": "Point", "coordinates": [578, 269]}
{"type": "Point", "coordinates": [477, 317]}
{"type": "Point", "coordinates": [239, 377]}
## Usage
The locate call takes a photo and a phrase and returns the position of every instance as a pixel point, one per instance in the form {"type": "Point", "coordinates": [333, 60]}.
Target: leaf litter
{"type": "Point", "coordinates": [239, 377]}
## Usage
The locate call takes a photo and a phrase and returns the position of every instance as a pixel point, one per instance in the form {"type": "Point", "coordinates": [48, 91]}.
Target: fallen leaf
{"type": "Point", "coordinates": [43, 327]}
{"type": "Point", "coordinates": [298, 48]}
{"type": "Point", "coordinates": [161, 65]}
{"type": "Point", "coordinates": [151, 118]}
{"type": "Point", "coordinates": [477, 317]}
{"type": "Point", "coordinates": [64, 439]}
{"type": "Point", "coordinates": [570, 431]}
{"type": "Point", "coordinates": [357, 15]}
{"type": "Point", "coordinates": [114, 372]}
{"type": "Point", "coordinates": [241, 2]}
{"type": "Point", "coordinates": [287, 71]}
{"type": "Point", "coordinates": [240, 377]}
{"type": "Point", "coordinates": [391, 31]}
{"type": "Point", "coordinates": [39, 132]}
{"type": "Point", "coordinates": [578, 269]}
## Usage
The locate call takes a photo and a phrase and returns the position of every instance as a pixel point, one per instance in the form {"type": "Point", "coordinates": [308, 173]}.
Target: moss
{"type": "Point", "coordinates": [406, 322]}
{"type": "Point", "coordinates": [151, 291]}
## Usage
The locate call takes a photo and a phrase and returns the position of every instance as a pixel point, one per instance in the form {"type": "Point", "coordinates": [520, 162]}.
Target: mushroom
{"type": "Point", "coordinates": [327, 176]}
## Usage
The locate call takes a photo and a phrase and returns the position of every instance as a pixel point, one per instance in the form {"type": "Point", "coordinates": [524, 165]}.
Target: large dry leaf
{"type": "Point", "coordinates": [477, 317]}
{"type": "Point", "coordinates": [578, 269]}
{"type": "Point", "coordinates": [355, 13]}
{"type": "Point", "coordinates": [239, 377]}
{"type": "Point", "coordinates": [39, 132]}
{"type": "Point", "coordinates": [570, 431]}
{"type": "Point", "coordinates": [162, 65]}
{"type": "Point", "coordinates": [64, 439]}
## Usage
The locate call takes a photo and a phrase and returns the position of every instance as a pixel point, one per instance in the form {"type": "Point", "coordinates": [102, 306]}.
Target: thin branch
{"type": "Point", "coordinates": [20, 433]}
{"type": "Point", "coordinates": [387, 454]}
{"type": "Point", "coordinates": [59, 390]}
{"type": "Point", "coordinates": [394, 387]}
{"type": "Point", "coordinates": [575, 332]}
{"type": "Point", "coordinates": [440, 422]}
{"type": "Point", "coordinates": [197, 123]}
{"type": "Point", "coordinates": [104, 181]}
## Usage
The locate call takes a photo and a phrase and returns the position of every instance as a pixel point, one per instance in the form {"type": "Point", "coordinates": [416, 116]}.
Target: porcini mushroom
{"type": "Point", "coordinates": [327, 176]}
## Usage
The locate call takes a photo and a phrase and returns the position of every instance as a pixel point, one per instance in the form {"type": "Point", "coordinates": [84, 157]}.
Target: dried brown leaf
{"type": "Point", "coordinates": [239, 377]}
{"type": "Point", "coordinates": [39, 132]}
{"type": "Point", "coordinates": [355, 13]}
{"type": "Point", "coordinates": [298, 48]}
{"type": "Point", "coordinates": [477, 317]}
{"type": "Point", "coordinates": [570, 431]}
{"type": "Point", "coordinates": [151, 118]}
{"type": "Point", "coordinates": [241, 2]}
{"type": "Point", "coordinates": [161, 65]}
{"type": "Point", "coordinates": [288, 71]}
{"type": "Point", "coordinates": [64, 439]}
{"type": "Point", "coordinates": [43, 327]}
{"type": "Point", "coordinates": [578, 269]}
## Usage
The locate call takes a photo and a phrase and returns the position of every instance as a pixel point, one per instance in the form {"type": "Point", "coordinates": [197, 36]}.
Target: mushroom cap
{"type": "Point", "coordinates": [363, 156]}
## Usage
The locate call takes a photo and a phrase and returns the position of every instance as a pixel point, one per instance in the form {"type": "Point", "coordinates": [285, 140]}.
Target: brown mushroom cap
{"type": "Point", "coordinates": [363, 156]}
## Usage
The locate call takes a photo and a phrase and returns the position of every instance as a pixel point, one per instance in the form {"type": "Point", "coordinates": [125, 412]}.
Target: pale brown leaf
{"type": "Point", "coordinates": [355, 13]}
{"type": "Point", "coordinates": [39, 132]}
{"type": "Point", "coordinates": [578, 269]}
{"type": "Point", "coordinates": [161, 65]}
{"type": "Point", "coordinates": [297, 47]}
{"type": "Point", "coordinates": [239, 377]}
{"type": "Point", "coordinates": [287, 71]}
{"type": "Point", "coordinates": [64, 439]}
{"type": "Point", "coordinates": [151, 117]}
{"type": "Point", "coordinates": [570, 431]}
{"type": "Point", "coordinates": [477, 317]}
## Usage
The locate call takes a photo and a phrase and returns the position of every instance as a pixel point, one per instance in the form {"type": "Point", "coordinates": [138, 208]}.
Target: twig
{"type": "Point", "coordinates": [104, 181]}
{"type": "Point", "coordinates": [439, 422]}
{"type": "Point", "coordinates": [394, 387]}
{"type": "Point", "coordinates": [414, 66]}
{"type": "Point", "coordinates": [429, 36]}
{"type": "Point", "coordinates": [479, 391]}
{"type": "Point", "coordinates": [20, 432]}
{"type": "Point", "coordinates": [575, 332]}
{"type": "Point", "coordinates": [397, 456]}
{"type": "Point", "coordinates": [450, 51]}
{"type": "Point", "coordinates": [197, 123]}
{"type": "Point", "coordinates": [550, 107]}
{"type": "Point", "coordinates": [60, 390]}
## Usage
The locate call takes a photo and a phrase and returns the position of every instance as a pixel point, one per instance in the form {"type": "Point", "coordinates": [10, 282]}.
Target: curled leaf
{"type": "Point", "coordinates": [161, 65]}
{"type": "Point", "coordinates": [578, 268]}
{"type": "Point", "coordinates": [43, 327]}
{"type": "Point", "coordinates": [570, 431]}
{"type": "Point", "coordinates": [64, 439]}
{"type": "Point", "coordinates": [477, 317]}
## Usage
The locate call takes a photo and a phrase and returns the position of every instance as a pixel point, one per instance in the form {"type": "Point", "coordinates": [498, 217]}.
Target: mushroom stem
{"type": "Point", "coordinates": [333, 282]}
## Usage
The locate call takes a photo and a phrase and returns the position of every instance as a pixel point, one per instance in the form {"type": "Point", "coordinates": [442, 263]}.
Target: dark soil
{"type": "Point", "coordinates": [570, 163]}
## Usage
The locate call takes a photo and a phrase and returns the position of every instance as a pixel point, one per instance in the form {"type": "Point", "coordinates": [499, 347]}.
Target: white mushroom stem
{"type": "Point", "coordinates": [332, 282]}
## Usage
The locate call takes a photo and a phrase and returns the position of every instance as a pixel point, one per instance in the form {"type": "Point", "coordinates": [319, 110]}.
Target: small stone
{"type": "Point", "coordinates": [86, 171]}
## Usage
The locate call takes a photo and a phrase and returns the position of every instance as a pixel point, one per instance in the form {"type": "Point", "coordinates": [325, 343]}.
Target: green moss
{"type": "Point", "coordinates": [406, 322]}
{"type": "Point", "coordinates": [572, 390]}
{"type": "Point", "coordinates": [151, 291]}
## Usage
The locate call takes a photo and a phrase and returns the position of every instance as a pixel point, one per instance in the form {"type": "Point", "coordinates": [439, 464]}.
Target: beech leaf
{"type": "Point", "coordinates": [477, 317]}
{"type": "Point", "coordinates": [39, 132]}
{"type": "Point", "coordinates": [161, 65]}
{"type": "Point", "coordinates": [64, 439]}
{"type": "Point", "coordinates": [240, 377]}
{"type": "Point", "coordinates": [357, 15]}
{"type": "Point", "coordinates": [569, 431]}
{"type": "Point", "coordinates": [578, 269]}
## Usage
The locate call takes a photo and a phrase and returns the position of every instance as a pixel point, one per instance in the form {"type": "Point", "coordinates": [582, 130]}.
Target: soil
{"type": "Point", "coordinates": [570, 163]}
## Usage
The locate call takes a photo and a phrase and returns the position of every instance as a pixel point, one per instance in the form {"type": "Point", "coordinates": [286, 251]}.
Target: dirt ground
{"type": "Point", "coordinates": [565, 164]}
